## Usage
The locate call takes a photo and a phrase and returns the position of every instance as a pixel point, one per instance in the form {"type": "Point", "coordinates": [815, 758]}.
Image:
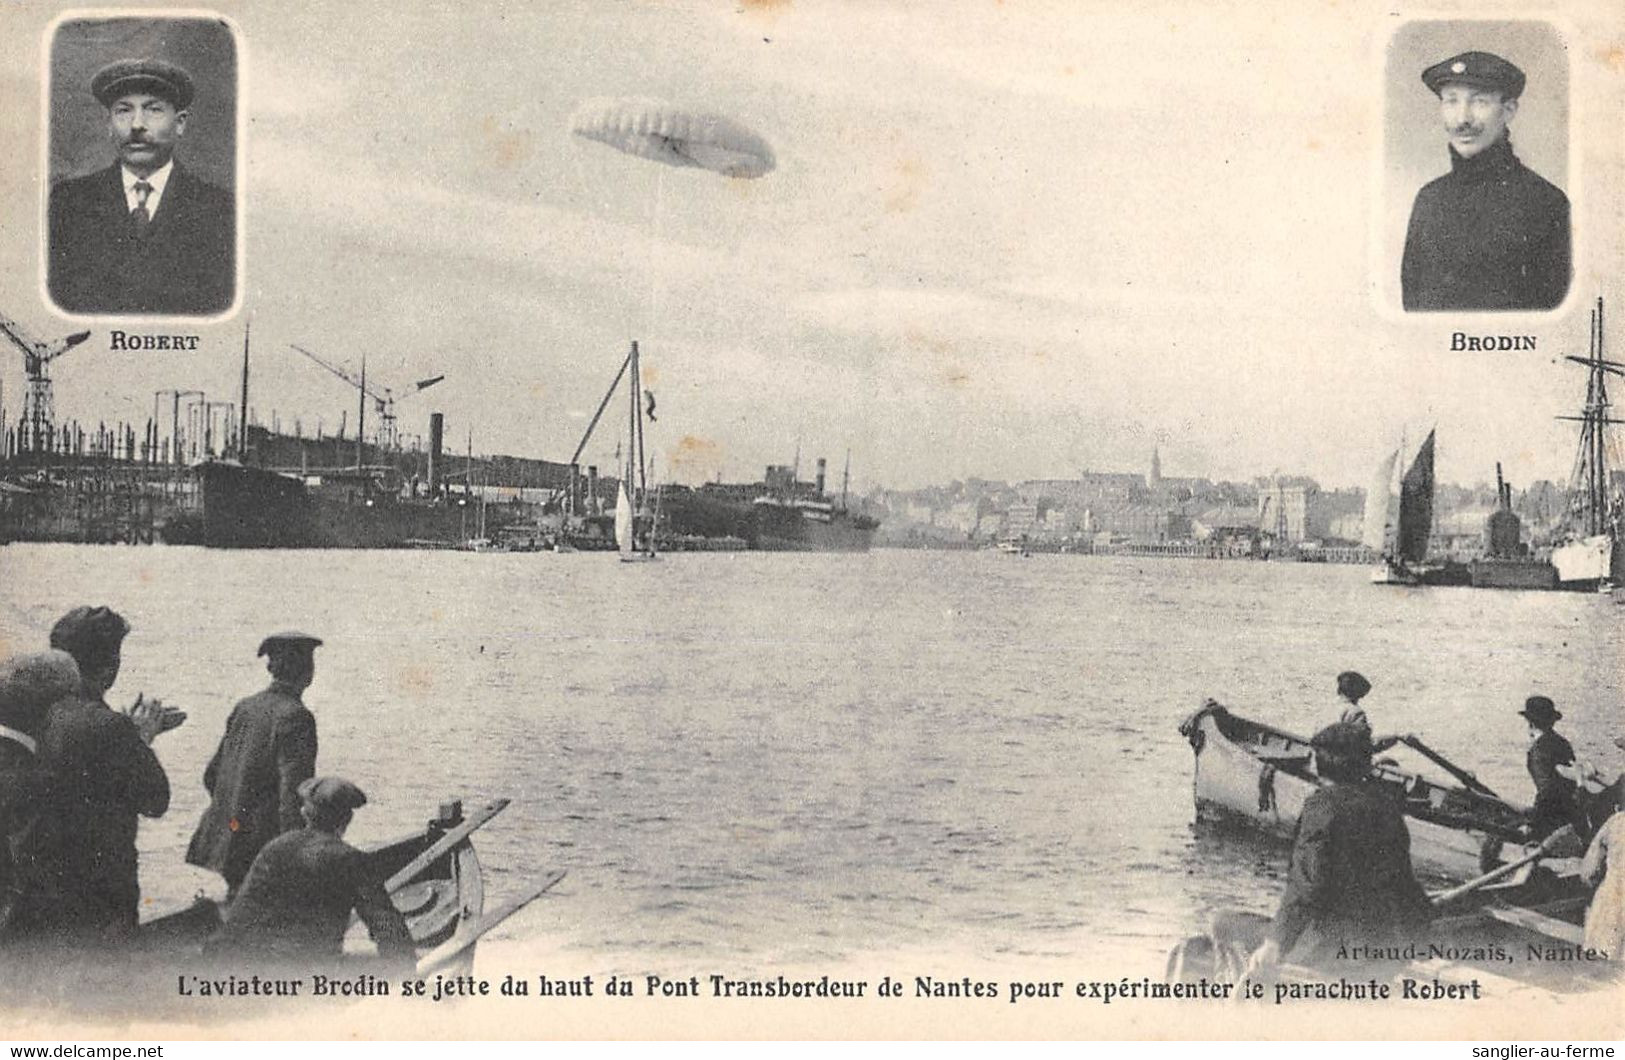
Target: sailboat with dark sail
{"type": "Point", "coordinates": [1588, 557]}
{"type": "Point", "coordinates": [1403, 541]}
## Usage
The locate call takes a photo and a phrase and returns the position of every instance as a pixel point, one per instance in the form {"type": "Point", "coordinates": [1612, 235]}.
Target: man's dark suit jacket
{"type": "Point", "coordinates": [297, 900]}
{"type": "Point", "coordinates": [1350, 879]}
{"type": "Point", "coordinates": [253, 781]}
{"type": "Point", "coordinates": [104, 778]}
{"type": "Point", "coordinates": [184, 264]}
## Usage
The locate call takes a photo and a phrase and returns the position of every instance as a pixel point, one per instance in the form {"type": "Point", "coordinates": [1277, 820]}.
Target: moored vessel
{"type": "Point", "coordinates": [1260, 776]}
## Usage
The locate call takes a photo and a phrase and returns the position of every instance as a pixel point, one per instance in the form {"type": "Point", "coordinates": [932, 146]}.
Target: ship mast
{"type": "Point", "coordinates": [1590, 476]}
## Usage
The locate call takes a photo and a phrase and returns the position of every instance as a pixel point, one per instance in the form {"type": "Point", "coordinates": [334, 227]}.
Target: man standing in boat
{"type": "Point", "coordinates": [296, 902]}
{"type": "Point", "coordinates": [268, 751]}
{"type": "Point", "coordinates": [1350, 884]}
{"type": "Point", "coordinates": [1557, 800]}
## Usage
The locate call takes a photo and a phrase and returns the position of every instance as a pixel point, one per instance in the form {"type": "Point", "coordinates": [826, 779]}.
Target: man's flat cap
{"type": "Point", "coordinates": [1478, 69]}
{"type": "Point", "coordinates": [29, 684]}
{"type": "Point", "coordinates": [289, 640]}
{"type": "Point", "coordinates": [332, 793]}
{"type": "Point", "coordinates": [152, 76]}
{"type": "Point", "coordinates": [88, 627]}
{"type": "Point", "coordinates": [1343, 739]}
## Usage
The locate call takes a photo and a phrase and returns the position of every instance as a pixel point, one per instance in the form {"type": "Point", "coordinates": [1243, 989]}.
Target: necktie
{"type": "Point", "coordinates": [139, 216]}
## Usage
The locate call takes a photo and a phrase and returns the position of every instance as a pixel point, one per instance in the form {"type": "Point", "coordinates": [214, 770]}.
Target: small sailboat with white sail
{"type": "Point", "coordinates": [634, 524]}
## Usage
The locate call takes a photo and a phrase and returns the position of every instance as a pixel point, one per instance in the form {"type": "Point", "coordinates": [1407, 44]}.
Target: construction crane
{"type": "Point", "coordinates": [39, 421]}
{"type": "Point", "coordinates": [384, 403]}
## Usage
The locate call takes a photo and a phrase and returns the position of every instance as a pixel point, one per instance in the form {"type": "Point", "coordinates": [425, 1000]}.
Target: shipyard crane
{"type": "Point", "coordinates": [383, 403]}
{"type": "Point", "coordinates": [38, 418]}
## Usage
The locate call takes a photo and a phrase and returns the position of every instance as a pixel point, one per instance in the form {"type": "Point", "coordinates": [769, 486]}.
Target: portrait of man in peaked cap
{"type": "Point", "coordinates": [1489, 226]}
{"type": "Point", "coordinates": [142, 217]}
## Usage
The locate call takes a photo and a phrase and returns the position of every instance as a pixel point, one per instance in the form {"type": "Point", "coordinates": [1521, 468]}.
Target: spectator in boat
{"type": "Point", "coordinates": [1350, 882]}
{"type": "Point", "coordinates": [296, 902]}
{"type": "Point", "coordinates": [104, 777]}
{"type": "Point", "coordinates": [1351, 688]}
{"type": "Point", "coordinates": [268, 750]}
{"type": "Point", "coordinates": [1604, 869]}
{"type": "Point", "coordinates": [1557, 801]}
{"type": "Point", "coordinates": [29, 684]}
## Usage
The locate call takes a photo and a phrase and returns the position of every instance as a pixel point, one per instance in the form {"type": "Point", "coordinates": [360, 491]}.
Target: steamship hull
{"type": "Point", "coordinates": [764, 527]}
{"type": "Point", "coordinates": [250, 507]}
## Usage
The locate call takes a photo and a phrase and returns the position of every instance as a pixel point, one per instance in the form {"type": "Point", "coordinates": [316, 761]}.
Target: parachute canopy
{"type": "Point", "coordinates": [674, 135]}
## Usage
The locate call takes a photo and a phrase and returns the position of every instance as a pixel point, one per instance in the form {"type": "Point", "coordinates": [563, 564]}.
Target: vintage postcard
{"type": "Point", "coordinates": [782, 518]}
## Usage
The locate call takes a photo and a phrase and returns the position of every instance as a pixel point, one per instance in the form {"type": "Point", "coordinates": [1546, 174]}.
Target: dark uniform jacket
{"type": "Point", "coordinates": [297, 900]}
{"type": "Point", "coordinates": [1556, 796]}
{"type": "Point", "coordinates": [185, 262]}
{"type": "Point", "coordinates": [253, 781]}
{"type": "Point", "coordinates": [103, 779]}
{"type": "Point", "coordinates": [1351, 880]}
{"type": "Point", "coordinates": [1490, 234]}
{"type": "Point", "coordinates": [23, 790]}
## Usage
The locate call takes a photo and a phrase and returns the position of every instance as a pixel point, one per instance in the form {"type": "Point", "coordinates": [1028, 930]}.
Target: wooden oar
{"type": "Point", "coordinates": [449, 950]}
{"type": "Point", "coordinates": [1466, 777]}
{"type": "Point", "coordinates": [452, 838]}
{"type": "Point", "coordinates": [1442, 897]}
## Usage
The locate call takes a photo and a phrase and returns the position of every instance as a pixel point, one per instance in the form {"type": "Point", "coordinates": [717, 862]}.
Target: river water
{"type": "Point", "coordinates": [772, 759]}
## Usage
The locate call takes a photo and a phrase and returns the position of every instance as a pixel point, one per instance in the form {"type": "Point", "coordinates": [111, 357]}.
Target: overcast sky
{"type": "Point", "coordinates": [1009, 239]}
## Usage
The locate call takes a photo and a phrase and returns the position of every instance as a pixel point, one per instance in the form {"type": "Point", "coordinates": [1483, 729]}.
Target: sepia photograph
{"type": "Point", "coordinates": [1490, 230]}
{"type": "Point", "coordinates": [773, 520]}
{"type": "Point", "coordinates": [143, 124]}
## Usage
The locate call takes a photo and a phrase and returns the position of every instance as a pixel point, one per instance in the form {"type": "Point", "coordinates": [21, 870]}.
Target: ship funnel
{"type": "Point", "coordinates": [820, 476]}
{"type": "Point", "coordinates": [437, 433]}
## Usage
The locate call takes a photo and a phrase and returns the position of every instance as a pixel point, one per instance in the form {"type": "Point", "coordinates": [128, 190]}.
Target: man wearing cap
{"type": "Point", "coordinates": [296, 903]}
{"type": "Point", "coordinates": [29, 684]}
{"type": "Point", "coordinates": [1557, 800]}
{"type": "Point", "coordinates": [1350, 882]}
{"type": "Point", "coordinates": [269, 749]}
{"type": "Point", "coordinates": [104, 777]}
{"type": "Point", "coordinates": [143, 235]}
{"type": "Point", "coordinates": [1491, 234]}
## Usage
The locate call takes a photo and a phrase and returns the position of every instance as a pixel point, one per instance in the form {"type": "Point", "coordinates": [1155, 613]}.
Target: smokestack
{"type": "Point", "coordinates": [592, 488]}
{"type": "Point", "coordinates": [572, 499]}
{"type": "Point", "coordinates": [820, 476]}
{"type": "Point", "coordinates": [437, 432]}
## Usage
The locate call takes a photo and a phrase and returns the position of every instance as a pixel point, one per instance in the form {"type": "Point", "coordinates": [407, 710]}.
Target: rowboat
{"type": "Point", "coordinates": [433, 876]}
{"type": "Point", "coordinates": [1258, 776]}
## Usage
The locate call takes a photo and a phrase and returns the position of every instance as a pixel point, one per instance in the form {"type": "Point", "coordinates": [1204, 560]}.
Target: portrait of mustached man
{"type": "Point", "coordinates": [1491, 234]}
{"type": "Point", "coordinates": [143, 235]}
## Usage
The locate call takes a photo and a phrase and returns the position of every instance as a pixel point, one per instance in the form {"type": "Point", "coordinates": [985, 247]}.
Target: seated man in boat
{"type": "Point", "coordinates": [1557, 801]}
{"type": "Point", "coordinates": [295, 904]}
{"type": "Point", "coordinates": [1350, 883]}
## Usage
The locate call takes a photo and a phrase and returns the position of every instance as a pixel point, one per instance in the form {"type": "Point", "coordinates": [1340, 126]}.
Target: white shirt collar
{"type": "Point", "coordinates": [8, 733]}
{"type": "Point", "coordinates": [159, 179]}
